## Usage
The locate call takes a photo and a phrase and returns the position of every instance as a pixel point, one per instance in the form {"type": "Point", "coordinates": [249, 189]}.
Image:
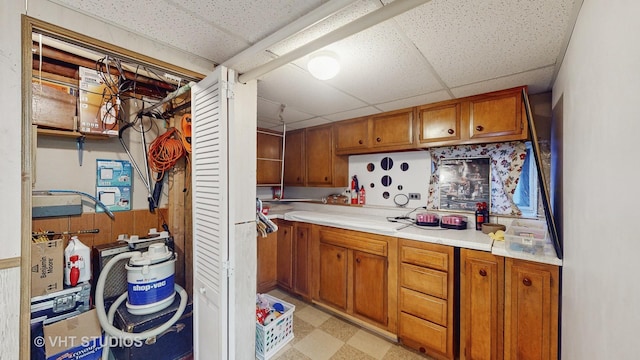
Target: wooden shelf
{"type": "Point", "coordinates": [70, 134]}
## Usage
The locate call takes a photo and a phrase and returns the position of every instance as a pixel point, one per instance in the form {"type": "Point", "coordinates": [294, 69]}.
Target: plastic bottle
{"type": "Point", "coordinates": [77, 262]}
{"type": "Point", "coordinates": [354, 190]}
{"type": "Point", "coordinates": [362, 196]}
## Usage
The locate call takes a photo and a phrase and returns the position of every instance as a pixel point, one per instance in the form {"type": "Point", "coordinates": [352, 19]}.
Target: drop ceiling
{"type": "Point", "coordinates": [440, 50]}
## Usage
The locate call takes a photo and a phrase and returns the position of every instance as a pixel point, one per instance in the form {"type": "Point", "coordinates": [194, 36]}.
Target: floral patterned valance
{"type": "Point", "coordinates": [506, 165]}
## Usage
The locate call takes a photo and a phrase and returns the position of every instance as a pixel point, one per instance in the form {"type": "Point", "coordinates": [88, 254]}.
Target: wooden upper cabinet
{"type": "Point", "coordinates": [497, 116]}
{"type": "Point", "coordinates": [294, 158]}
{"type": "Point", "coordinates": [269, 158]}
{"type": "Point", "coordinates": [352, 134]}
{"type": "Point", "coordinates": [383, 132]}
{"type": "Point", "coordinates": [392, 129]}
{"type": "Point", "coordinates": [323, 167]}
{"type": "Point", "coordinates": [437, 123]}
{"type": "Point", "coordinates": [531, 310]}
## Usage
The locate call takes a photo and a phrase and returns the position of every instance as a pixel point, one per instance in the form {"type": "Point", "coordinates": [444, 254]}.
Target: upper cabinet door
{"type": "Point", "coordinates": [319, 156]}
{"type": "Point", "coordinates": [294, 158]}
{"type": "Point", "coordinates": [352, 134]}
{"type": "Point", "coordinates": [497, 117]}
{"type": "Point", "coordinates": [393, 129]}
{"type": "Point", "coordinates": [269, 153]}
{"type": "Point", "coordinates": [439, 123]}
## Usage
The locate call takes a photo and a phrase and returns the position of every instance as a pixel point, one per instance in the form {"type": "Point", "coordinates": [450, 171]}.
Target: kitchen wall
{"type": "Point", "coordinates": [11, 134]}
{"type": "Point", "coordinates": [597, 90]}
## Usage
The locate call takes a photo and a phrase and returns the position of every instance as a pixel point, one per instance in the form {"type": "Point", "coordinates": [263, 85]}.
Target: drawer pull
{"type": "Point", "coordinates": [360, 142]}
{"type": "Point", "coordinates": [450, 131]}
{"type": "Point", "coordinates": [479, 128]}
{"type": "Point", "coordinates": [378, 139]}
{"type": "Point", "coordinates": [326, 178]}
{"type": "Point", "coordinates": [526, 281]}
{"type": "Point", "coordinates": [483, 272]}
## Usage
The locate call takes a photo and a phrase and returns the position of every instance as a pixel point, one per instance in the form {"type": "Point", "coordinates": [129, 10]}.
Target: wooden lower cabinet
{"type": "Point", "coordinates": [284, 269]}
{"type": "Point", "coordinates": [427, 298]}
{"type": "Point", "coordinates": [481, 305]}
{"type": "Point", "coordinates": [370, 277]}
{"type": "Point", "coordinates": [300, 260]}
{"type": "Point", "coordinates": [267, 257]}
{"type": "Point", "coordinates": [356, 274]}
{"type": "Point", "coordinates": [531, 310]}
{"type": "Point", "coordinates": [333, 275]}
{"type": "Point", "coordinates": [508, 308]}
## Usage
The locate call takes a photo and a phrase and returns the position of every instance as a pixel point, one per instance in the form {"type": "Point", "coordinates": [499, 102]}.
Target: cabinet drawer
{"type": "Point", "coordinates": [423, 306]}
{"type": "Point", "coordinates": [428, 281]}
{"type": "Point", "coordinates": [424, 332]}
{"type": "Point", "coordinates": [423, 257]}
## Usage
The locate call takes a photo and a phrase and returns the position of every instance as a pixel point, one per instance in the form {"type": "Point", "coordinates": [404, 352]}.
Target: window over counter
{"type": "Point", "coordinates": [526, 194]}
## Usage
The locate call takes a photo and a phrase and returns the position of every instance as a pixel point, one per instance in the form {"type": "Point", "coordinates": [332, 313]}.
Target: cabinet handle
{"type": "Point", "coordinates": [358, 260]}
{"type": "Point", "coordinates": [479, 128]}
{"type": "Point", "coordinates": [423, 350]}
{"type": "Point", "coordinates": [450, 131]}
{"type": "Point", "coordinates": [378, 139]}
{"type": "Point", "coordinates": [338, 256]}
{"type": "Point", "coordinates": [326, 178]}
{"type": "Point", "coordinates": [526, 281]}
{"type": "Point", "coordinates": [298, 179]}
{"type": "Point", "coordinates": [483, 272]}
{"type": "Point", "coordinates": [360, 142]}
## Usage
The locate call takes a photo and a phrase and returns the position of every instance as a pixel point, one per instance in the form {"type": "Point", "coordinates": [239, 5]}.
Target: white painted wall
{"type": "Point", "coordinates": [599, 84]}
{"type": "Point", "coordinates": [10, 126]}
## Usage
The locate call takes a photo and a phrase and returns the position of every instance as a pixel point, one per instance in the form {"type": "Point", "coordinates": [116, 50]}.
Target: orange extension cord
{"type": "Point", "coordinates": [165, 151]}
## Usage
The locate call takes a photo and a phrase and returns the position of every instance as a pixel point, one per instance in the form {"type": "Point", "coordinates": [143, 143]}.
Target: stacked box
{"type": "Point", "coordinates": [113, 184]}
{"type": "Point", "coordinates": [98, 103]}
{"type": "Point", "coordinates": [53, 105]}
{"type": "Point", "coordinates": [528, 236]}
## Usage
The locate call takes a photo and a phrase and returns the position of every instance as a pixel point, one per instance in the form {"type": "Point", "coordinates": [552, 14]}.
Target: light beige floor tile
{"type": "Point", "coordinates": [398, 352]}
{"type": "Point", "coordinates": [298, 303]}
{"type": "Point", "coordinates": [350, 353]}
{"type": "Point", "coordinates": [318, 345]}
{"type": "Point", "coordinates": [280, 352]}
{"type": "Point", "coordinates": [369, 343]}
{"type": "Point", "coordinates": [339, 328]}
{"type": "Point", "coordinates": [277, 293]}
{"type": "Point", "coordinates": [312, 315]}
{"type": "Point", "coordinates": [291, 354]}
{"type": "Point", "coordinates": [301, 329]}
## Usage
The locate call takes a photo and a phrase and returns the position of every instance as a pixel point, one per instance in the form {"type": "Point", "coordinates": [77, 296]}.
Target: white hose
{"type": "Point", "coordinates": [106, 321]}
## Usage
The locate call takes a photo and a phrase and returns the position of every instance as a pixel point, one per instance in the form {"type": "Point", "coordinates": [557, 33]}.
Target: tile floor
{"type": "Point", "coordinates": [320, 336]}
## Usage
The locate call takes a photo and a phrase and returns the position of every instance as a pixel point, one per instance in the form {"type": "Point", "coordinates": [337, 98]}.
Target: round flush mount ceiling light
{"type": "Point", "coordinates": [323, 65]}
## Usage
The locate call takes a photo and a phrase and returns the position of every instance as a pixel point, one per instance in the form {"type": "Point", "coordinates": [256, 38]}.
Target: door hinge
{"type": "Point", "coordinates": [227, 87]}
{"type": "Point", "coordinates": [226, 265]}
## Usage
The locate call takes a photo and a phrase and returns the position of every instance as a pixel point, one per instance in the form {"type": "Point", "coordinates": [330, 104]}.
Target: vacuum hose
{"type": "Point", "coordinates": [107, 320]}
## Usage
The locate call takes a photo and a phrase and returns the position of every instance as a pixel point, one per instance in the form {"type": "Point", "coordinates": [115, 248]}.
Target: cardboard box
{"type": "Point", "coordinates": [47, 261]}
{"type": "Point", "coordinates": [98, 104]}
{"type": "Point", "coordinates": [113, 172]}
{"type": "Point", "coordinates": [78, 337]}
{"type": "Point", "coordinates": [53, 106]}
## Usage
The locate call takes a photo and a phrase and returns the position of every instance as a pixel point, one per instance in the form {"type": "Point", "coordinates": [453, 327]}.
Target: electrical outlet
{"type": "Point", "coordinates": [414, 196]}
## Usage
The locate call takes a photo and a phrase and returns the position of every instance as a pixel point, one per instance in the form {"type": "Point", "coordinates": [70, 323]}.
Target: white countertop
{"type": "Point", "coordinates": [376, 224]}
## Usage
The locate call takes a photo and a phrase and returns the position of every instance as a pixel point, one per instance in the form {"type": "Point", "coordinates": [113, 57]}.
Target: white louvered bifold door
{"type": "Point", "coordinates": [210, 216]}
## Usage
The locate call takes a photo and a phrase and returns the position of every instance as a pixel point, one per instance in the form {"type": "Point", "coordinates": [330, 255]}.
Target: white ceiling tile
{"type": "Point", "coordinates": [377, 65]}
{"type": "Point", "coordinates": [368, 110]}
{"type": "Point", "coordinates": [433, 97]}
{"type": "Point", "coordinates": [299, 90]}
{"type": "Point", "coordinates": [307, 123]}
{"type": "Point", "coordinates": [249, 19]}
{"type": "Point", "coordinates": [468, 41]}
{"type": "Point", "coordinates": [538, 81]}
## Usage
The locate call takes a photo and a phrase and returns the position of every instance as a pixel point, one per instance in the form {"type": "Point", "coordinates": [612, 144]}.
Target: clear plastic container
{"type": "Point", "coordinates": [528, 236]}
